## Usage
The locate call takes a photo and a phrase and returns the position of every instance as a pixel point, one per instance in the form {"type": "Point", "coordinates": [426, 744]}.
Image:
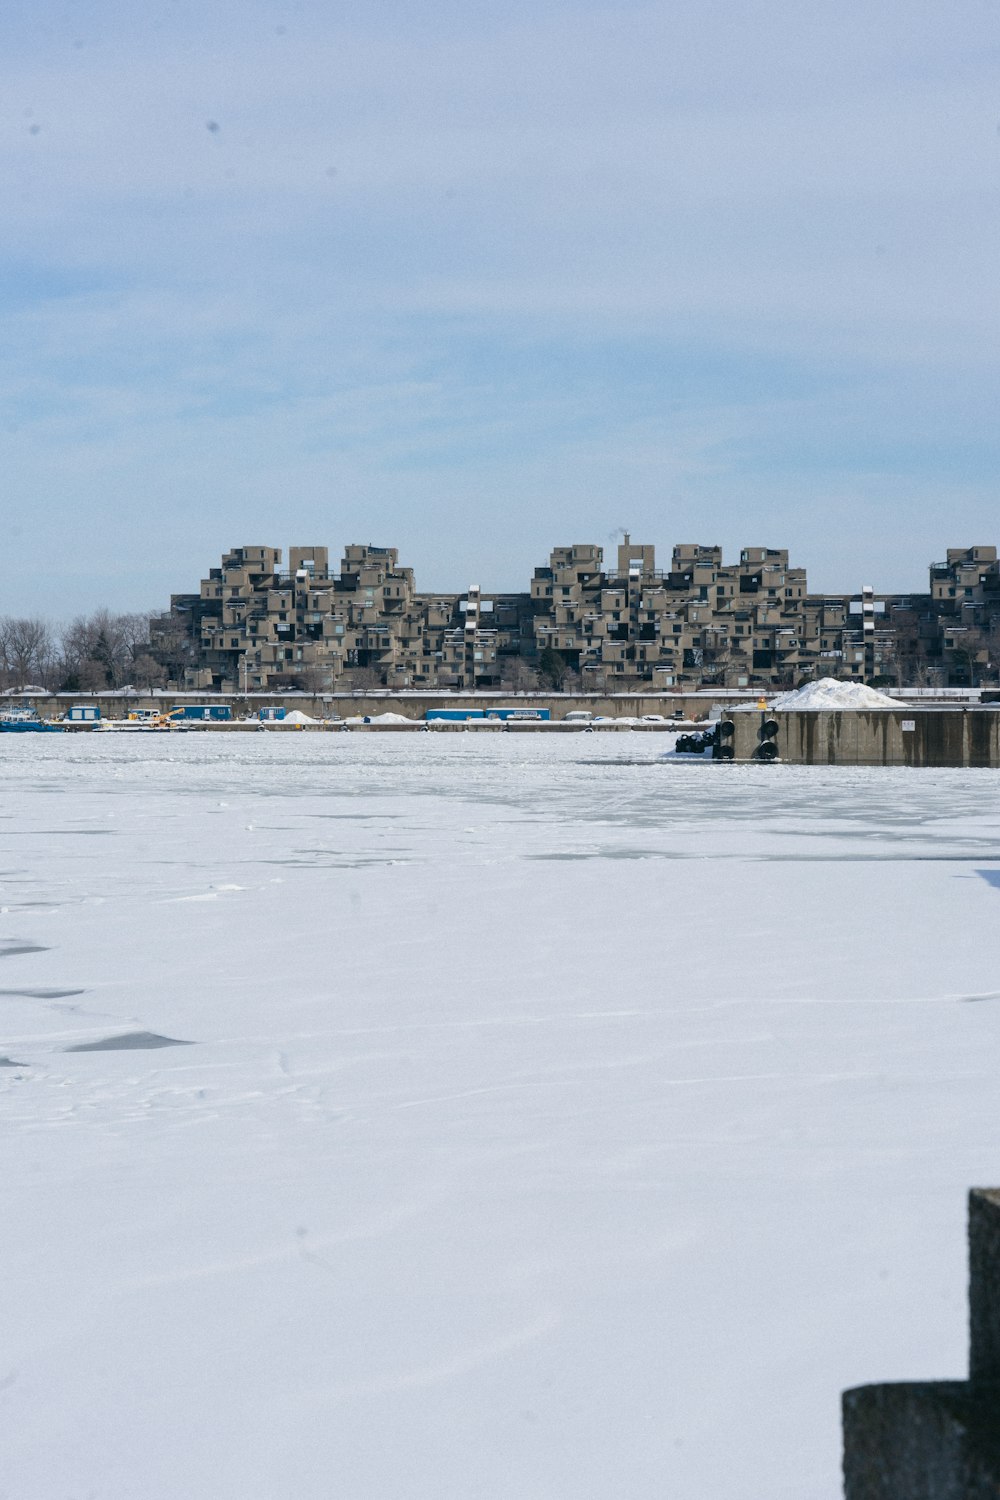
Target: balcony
{"type": "Point", "coordinates": [618, 575]}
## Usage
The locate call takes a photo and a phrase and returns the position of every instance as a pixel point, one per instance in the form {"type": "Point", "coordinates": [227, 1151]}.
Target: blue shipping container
{"type": "Point", "coordinates": [215, 711]}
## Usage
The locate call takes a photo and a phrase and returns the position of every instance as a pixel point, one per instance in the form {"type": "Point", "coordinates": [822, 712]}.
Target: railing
{"type": "Point", "coordinates": [615, 575]}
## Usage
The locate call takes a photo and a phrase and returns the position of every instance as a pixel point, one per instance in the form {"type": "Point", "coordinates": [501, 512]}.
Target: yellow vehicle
{"type": "Point", "coordinates": [137, 721]}
{"type": "Point", "coordinates": [149, 716]}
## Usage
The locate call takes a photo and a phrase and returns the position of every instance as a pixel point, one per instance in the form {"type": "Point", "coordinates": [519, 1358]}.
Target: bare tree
{"type": "Point", "coordinates": [100, 650]}
{"type": "Point", "coordinates": [316, 678]}
{"type": "Point", "coordinates": [172, 644]}
{"type": "Point", "coordinates": [517, 676]}
{"type": "Point", "coordinates": [26, 651]}
{"type": "Point", "coordinates": [365, 679]}
{"type": "Point", "coordinates": [147, 672]}
{"type": "Point", "coordinates": [134, 631]}
{"type": "Point", "coordinates": [89, 676]}
{"type": "Point", "coordinates": [87, 650]}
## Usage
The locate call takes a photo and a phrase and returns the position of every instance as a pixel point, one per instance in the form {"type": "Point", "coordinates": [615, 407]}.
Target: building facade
{"type": "Point", "coordinates": [257, 625]}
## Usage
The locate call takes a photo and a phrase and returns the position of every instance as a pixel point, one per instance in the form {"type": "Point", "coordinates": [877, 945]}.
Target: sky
{"type": "Point", "coordinates": [476, 281]}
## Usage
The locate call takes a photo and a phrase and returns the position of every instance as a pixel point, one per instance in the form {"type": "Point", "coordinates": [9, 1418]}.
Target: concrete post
{"type": "Point", "coordinates": [984, 1286]}
{"type": "Point", "coordinates": [938, 1440]}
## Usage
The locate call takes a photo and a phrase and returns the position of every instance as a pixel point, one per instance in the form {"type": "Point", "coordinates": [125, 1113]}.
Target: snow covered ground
{"type": "Point", "coordinates": [557, 1122]}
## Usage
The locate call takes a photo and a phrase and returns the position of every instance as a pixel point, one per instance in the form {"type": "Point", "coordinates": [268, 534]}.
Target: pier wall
{"type": "Point", "coordinates": [883, 737]}
{"type": "Point", "coordinates": [413, 705]}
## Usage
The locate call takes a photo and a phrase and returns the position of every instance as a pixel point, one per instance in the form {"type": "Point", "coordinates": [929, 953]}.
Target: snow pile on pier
{"type": "Point", "coordinates": [830, 694]}
{"type": "Point", "coordinates": [296, 716]}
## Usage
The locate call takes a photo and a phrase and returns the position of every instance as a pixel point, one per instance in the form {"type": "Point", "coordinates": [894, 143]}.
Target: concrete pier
{"type": "Point", "coordinates": [876, 737]}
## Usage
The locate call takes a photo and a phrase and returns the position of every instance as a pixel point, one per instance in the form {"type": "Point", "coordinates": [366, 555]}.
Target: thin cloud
{"type": "Point", "coordinates": [388, 275]}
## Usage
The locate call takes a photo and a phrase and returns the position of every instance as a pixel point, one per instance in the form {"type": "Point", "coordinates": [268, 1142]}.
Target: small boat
{"type": "Point", "coordinates": [26, 720]}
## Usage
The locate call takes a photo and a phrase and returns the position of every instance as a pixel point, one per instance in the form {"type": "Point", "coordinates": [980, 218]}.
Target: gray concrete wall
{"type": "Point", "coordinates": [939, 737]}
{"type": "Point", "coordinates": [984, 1286]}
{"type": "Point", "coordinates": [414, 705]}
{"type": "Point", "coordinates": [922, 1441]}
{"type": "Point", "coordinates": [937, 1440]}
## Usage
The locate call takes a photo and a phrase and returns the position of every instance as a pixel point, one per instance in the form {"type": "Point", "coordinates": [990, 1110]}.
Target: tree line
{"type": "Point", "coordinates": [90, 654]}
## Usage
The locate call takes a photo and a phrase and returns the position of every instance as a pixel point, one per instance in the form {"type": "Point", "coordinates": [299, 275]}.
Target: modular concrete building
{"type": "Point", "coordinates": [257, 624]}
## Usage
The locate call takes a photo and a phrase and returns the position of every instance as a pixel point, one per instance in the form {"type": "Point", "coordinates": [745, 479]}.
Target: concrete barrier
{"type": "Point", "coordinates": [876, 737]}
{"type": "Point", "coordinates": [411, 703]}
{"type": "Point", "coordinates": [937, 1440]}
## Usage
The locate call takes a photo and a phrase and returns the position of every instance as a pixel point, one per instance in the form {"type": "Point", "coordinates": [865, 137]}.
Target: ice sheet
{"type": "Point", "coordinates": [559, 1122]}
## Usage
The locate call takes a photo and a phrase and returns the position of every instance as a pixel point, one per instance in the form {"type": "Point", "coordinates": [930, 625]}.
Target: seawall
{"type": "Point", "coordinates": [412, 705]}
{"type": "Point", "coordinates": [877, 737]}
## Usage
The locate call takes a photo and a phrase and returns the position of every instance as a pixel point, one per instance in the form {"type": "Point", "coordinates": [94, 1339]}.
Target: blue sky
{"type": "Point", "coordinates": [476, 281]}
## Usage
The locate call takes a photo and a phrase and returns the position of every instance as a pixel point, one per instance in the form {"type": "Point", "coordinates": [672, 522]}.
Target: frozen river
{"type": "Point", "coordinates": [555, 1122]}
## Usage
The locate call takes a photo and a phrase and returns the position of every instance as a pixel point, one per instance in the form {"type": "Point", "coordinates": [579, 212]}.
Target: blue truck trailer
{"type": "Point", "coordinates": [453, 715]}
{"type": "Point", "coordinates": [517, 713]}
{"type": "Point", "coordinates": [463, 715]}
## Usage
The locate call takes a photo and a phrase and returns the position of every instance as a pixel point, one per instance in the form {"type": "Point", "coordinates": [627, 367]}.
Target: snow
{"type": "Point", "coordinates": [386, 718]}
{"type": "Point", "coordinates": [554, 1121]}
{"type": "Point", "coordinates": [296, 716]}
{"type": "Point", "coordinates": [828, 693]}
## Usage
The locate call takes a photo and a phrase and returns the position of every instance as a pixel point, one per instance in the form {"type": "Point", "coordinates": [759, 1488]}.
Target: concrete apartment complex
{"type": "Point", "coordinates": [257, 625]}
